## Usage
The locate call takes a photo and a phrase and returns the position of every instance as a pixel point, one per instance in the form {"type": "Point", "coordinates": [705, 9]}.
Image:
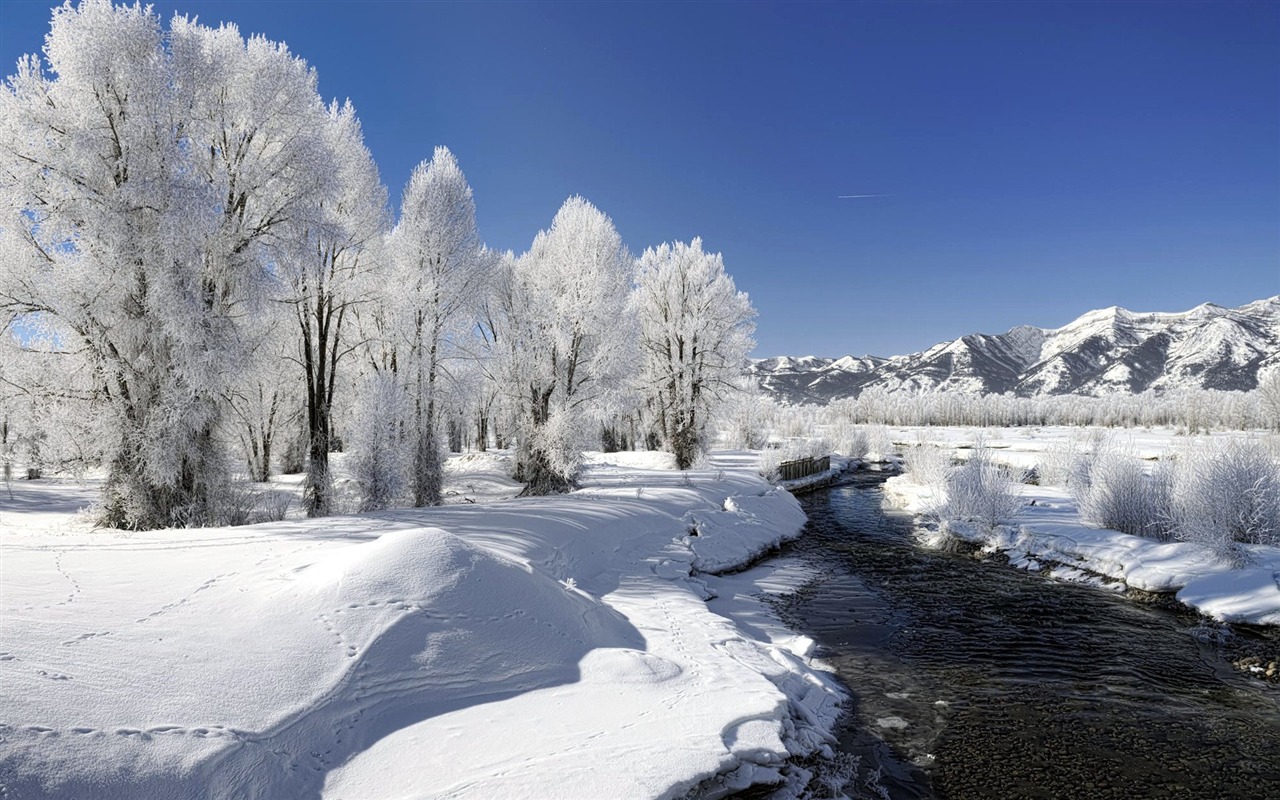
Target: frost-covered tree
{"type": "Point", "coordinates": [378, 459]}
{"type": "Point", "coordinates": [1268, 394]}
{"type": "Point", "coordinates": [327, 275]}
{"type": "Point", "coordinates": [565, 341]}
{"type": "Point", "coordinates": [695, 333]}
{"type": "Point", "coordinates": [150, 178]}
{"type": "Point", "coordinates": [440, 274]}
{"type": "Point", "coordinates": [265, 403]}
{"type": "Point", "coordinates": [745, 418]}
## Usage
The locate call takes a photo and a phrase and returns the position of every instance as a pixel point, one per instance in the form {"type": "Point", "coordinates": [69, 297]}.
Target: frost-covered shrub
{"type": "Point", "coordinates": [378, 461]}
{"type": "Point", "coordinates": [879, 445]}
{"type": "Point", "coordinates": [926, 464]}
{"type": "Point", "coordinates": [743, 426]}
{"type": "Point", "coordinates": [743, 420]}
{"type": "Point", "coordinates": [428, 468]}
{"type": "Point", "coordinates": [849, 440]}
{"type": "Point", "coordinates": [1227, 494]}
{"type": "Point", "coordinates": [236, 505]}
{"type": "Point", "coordinates": [981, 491]}
{"type": "Point", "coordinates": [1067, 464]}
{"type": "Point", "coordinates": [1113, 490]}
{"type": "Point", "coordinates": [275, 507]}
{"type": "Point", "coordinates": [767, 463]}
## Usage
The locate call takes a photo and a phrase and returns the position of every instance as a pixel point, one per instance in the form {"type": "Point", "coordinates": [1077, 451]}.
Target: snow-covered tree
{"type": "Point", "coordinates": [265, 404]}
{"type": "Point", "coordinates": [379, 465]}
{"type": "Point", "coordinates": [149, 181]}
{"type": "Point", "coordinates": [695, 333]}
{"type": "Point", "coordinates": [441, 271]}
{"type": "Point", "coordinates": [743, 420]}
{"type": "Point", "coordinates": [1268, 394]}
{"type": "Point", "coordinates": [566, 339]}
{"type": "Point", "coordinates": [327, 275]}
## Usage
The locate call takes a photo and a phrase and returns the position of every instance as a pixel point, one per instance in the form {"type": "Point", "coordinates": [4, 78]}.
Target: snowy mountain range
{"type": "Point", "coordinates": [1107, 351]}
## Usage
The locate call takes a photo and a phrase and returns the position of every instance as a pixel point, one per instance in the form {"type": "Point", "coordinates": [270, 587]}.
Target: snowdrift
{"type": "Point", "coordinates": [554, 645]}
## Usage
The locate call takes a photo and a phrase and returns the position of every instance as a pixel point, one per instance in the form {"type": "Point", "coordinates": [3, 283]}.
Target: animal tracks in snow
{"type": "Point", "coordinates": [137, 734]}
{"type": "Point", "coordinates": [85, 636]}
{"type": "Point", "coordinates": [167, 607]}
{"type": "Point", "coordinates": [53, 676]}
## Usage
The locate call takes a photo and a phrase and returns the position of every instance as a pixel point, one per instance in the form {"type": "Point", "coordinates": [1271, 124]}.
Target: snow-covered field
{"type": "Point", "coordinates": [1048, 533]}
{"type": "Point", "coordinates": [554, 646]}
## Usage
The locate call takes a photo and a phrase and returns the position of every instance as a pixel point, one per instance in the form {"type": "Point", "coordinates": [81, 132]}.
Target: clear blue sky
{"type": "Point", "coordinates": [1038, 159]}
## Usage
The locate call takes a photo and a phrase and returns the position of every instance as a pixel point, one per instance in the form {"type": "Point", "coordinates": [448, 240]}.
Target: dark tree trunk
{"type": "Point", "coordinates": [455, 436]}
{"type": "Point", "coordinates": [482, 432]}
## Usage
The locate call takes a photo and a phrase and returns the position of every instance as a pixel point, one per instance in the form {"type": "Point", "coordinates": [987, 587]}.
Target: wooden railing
{"type": "Point", "coordinates": [803, 468]}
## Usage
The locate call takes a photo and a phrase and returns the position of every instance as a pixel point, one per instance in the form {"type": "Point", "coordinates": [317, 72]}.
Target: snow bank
{"type": "Point", "coordinates": [716, 538]}
{"type": "Point", "coordinates": [556, 645]}
{"type": "Point", "coordinates": [1049, 532]}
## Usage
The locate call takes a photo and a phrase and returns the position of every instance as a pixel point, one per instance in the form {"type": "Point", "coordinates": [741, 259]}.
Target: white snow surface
{"type": "Point", "coordinates": [558, 646]}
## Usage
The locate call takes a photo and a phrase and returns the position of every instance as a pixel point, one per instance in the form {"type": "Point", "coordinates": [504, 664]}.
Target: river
{"type": "Point", "coordinates": [974, 679]}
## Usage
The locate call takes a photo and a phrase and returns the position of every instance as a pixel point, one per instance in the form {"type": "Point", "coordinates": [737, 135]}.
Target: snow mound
{"type": "Point", "coordinates": [413, 624]}
{"type": "Point", "coordinates": [625, 666]}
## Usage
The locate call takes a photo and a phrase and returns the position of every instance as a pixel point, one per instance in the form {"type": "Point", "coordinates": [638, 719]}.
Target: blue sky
{"type": "Point", "coordinates": [1037, 160]}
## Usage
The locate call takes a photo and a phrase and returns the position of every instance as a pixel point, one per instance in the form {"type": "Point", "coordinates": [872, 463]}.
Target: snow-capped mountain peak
{"type": "Point", "coordinates": [1105, 351]}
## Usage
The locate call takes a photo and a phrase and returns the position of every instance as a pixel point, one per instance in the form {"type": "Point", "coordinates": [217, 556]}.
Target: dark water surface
{"type": "Point", "coordinates": [975, 679]}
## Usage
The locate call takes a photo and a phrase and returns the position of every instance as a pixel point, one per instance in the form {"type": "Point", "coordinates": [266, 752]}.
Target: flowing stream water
{"type": "Point", "coordinates": [973, 679]}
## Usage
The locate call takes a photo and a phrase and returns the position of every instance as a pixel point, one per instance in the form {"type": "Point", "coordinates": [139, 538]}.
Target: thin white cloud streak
{"type": "Point", "coordinates": [855, 196]}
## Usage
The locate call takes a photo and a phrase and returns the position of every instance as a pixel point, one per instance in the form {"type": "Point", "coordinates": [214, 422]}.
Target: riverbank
{"type": "Point", "coordinates": [1048, 536]}
{"type": "Point", "coordinates": [469, 651]}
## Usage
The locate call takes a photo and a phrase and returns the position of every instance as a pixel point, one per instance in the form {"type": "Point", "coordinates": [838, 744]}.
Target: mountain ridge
{"type": "Point", "coordinates": [1102, 352]}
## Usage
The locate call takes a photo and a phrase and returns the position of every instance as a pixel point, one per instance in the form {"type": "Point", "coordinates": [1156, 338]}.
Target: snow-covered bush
{"type": "Point", "coordinates": [848, 439]}
{"type": "Point", "coordinates": [981, 491]}
{"type": "Point", "coordinates": [767, 464]}
{"type": "Point", "coordinates": [926, 464]}
{"type": "Point", "coordinates": [1227, 494]}
{"type": "Point", "coordinates": [1068, 464]}
{"type": "Point", "coordinates": [792, 422]}
{"type": "Point", "coordinates": [879, 446]}
{"type": "Point", "coordinates": [237, 505]}
{"type": "Point", "coordinates": [1113, 490]}
{"type": "Point", "coordinates": [275, 506]}
{"type": "Point", "coordinates": [557, 447]}
{"type": "Point", "coordinates": [1061, 462]}
{"type": "Point", "coordinates": [379, 461]}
